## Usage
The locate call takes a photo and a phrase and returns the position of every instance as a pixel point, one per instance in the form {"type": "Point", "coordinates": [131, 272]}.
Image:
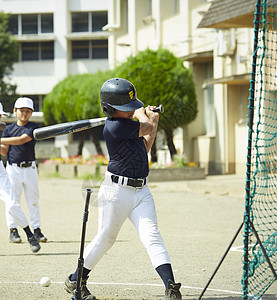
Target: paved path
{"type": "Point", "coordinates": [197, 219]}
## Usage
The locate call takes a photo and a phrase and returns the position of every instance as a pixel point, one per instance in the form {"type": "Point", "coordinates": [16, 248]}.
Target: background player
{"type": "Point", "coordinates": [21, 163]}
{"type": "Point", "coordinates": [124, 192]}
{"type": "Point", "coordinates": [11, 205]}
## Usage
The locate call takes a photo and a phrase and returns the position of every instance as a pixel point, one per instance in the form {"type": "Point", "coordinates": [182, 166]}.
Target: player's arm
{"type": "Point", "coordinates": [4, 149]}
{"type": "Point", "coordinates": [16, 140]}
{"type": "Point", "coordinates": [148, 125]}
{"type": "Point", "coordinates": [150, 138]}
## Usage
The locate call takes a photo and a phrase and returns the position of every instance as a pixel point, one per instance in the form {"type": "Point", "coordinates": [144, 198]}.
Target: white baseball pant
{"type": "Point", "coordinates": [12, 207]}
{"type": "Point", "coordinates": [25, 179]}
{"type": "Point", "coordinates": [116, 203]}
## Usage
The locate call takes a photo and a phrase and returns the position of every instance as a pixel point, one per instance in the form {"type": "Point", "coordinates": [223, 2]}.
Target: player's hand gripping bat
{"type": "Point", "coordinates": [48, 132]}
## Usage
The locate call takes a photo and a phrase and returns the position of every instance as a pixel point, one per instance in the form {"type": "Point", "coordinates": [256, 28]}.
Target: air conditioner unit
{"type": "Point", "coordinates": [226, 45]}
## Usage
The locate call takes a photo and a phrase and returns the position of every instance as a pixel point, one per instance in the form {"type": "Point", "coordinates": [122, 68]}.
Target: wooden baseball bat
{"type": "Point", "coordinates": [48, 132]}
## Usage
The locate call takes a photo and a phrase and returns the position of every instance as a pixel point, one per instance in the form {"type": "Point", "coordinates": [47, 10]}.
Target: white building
{"type": "Point", "coordinates": [57, 38]}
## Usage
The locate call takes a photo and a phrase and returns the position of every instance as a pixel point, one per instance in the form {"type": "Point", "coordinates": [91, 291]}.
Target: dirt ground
{"type": "Point", "coordinates": [197, 219]}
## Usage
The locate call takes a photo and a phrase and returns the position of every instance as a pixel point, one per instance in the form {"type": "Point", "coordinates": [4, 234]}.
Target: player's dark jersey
{"type": "Point", "coordinates": [24, 152]}
{"type": "Point", "coordinates": [127, 152]}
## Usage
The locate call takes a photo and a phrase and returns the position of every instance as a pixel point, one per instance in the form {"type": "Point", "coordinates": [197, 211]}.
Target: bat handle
{"type": "Point", "coordinates": [159, 109]}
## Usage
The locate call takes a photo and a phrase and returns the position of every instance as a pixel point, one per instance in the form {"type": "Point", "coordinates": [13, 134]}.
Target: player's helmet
{"type": "Point", "coordinates": [120, 94]}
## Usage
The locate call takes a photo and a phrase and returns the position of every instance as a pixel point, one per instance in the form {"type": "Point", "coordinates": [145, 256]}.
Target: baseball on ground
{"type": "Point", "coordinates": [45, 281]}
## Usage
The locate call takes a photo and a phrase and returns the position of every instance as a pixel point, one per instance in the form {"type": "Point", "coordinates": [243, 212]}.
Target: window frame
{"type": "Point", "coordinates": [39, 24]}
{"type": "Point", "coordinates": [91, 46]}
{"type": "Point", "coordinates": [90, 17]}
{"type": "Point", "coordinates": [38, 49]}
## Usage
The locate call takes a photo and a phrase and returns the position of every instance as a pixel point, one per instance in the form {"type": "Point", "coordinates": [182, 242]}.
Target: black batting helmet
{"type": "Point", "coordinates": [120, 94]}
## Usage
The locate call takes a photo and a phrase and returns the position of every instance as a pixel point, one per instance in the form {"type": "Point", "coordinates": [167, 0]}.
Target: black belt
{"type": "Point", "coordinates": [137, 183]}
{"type": "Point", "coordinates": [23, 164]}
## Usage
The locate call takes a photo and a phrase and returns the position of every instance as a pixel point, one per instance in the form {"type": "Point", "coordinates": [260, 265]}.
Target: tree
{"type": "Point", "coordinates": [161, 78]}
{"type": "Point", "coordinates": [76, 98]}
{"type": "Point", "coordinates": [8, 56]}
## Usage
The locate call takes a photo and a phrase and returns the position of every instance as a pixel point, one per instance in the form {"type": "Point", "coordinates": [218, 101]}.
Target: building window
{"type": "Point", "coordinates": [80, 49]}
{"type": "Point", "coordinates": [47, 23]}
{"type": "Point", "coordinates": [208, 99]}
{"type": "Point", "coordinates": [176, 6]}
{"type": "Point", "coordinates": [89, 21]}
{"type": "Point", "coordinates": [90, 49]}
{"type": "Point", "coordinates": [31, 24]}
{"type": "Point", "coordinates": [37, 51]}
{"type": "Point", "coordinates": [99, 19]}
{"type": "Point", "coordinates": [13, 24]}
{"type": "Point", "coordinates": [148, 8]}
{"type": "Point", "coordinates": [79, 22]}
{"type": "Point", "coordinates": [47, 50]}
{"type": "Point", "coordinates": [29, 51]}
{"type": "Point", "coordinates": [126, 16]}
{"type": "Point", "coordinates": [100, 49]}
{"type": "Point", "coordinates": [209, 111]}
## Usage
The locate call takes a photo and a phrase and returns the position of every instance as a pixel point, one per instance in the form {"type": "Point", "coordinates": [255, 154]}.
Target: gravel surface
{"type": "Point", "coordinates": [197, 219]}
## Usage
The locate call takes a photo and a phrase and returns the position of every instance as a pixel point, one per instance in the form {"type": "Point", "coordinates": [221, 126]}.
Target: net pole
{"type": "Point", "coordinates": [221, 261]}
{"type": "Point", "coordinates": [249, 151]}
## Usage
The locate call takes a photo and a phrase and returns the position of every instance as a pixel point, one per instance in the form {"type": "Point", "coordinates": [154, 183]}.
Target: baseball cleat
{"type": "Point", "coordinates": [14, 236]}
{"type": "Point", "coordinates": [34, 244]}
{"type": "Point", "coordinates": [70, 287]}
{"type": "Point", "coordinates": [172, 291]}
{"type": "Point", "coordinates": [40, 237]}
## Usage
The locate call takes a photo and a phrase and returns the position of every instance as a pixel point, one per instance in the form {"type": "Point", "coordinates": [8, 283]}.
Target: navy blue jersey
{"type": "Point", "coordinates": [24, 152]}
{"type": "Point", "coordinates": [127, 152]}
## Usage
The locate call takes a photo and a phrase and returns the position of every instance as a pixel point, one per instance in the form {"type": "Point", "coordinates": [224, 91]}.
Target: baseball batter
{"type": "Point", "coordinates": [12, 207]}
{"type": "Point", "coordinates": [21, 163]}
{"type": "Point", "coordinates": [124, 192]}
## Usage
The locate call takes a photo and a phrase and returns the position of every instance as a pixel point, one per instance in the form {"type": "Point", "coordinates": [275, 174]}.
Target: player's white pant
{"type": "Point", "coordinates": [25, 179]}
{"type": "Point", "coordinates": [116, 204]}
{"type": "Point", "coordinates": [12, 207]}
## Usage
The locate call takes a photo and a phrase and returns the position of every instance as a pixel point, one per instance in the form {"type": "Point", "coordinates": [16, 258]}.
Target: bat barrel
{"type": "Point", "coordinates": [65, 128]}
